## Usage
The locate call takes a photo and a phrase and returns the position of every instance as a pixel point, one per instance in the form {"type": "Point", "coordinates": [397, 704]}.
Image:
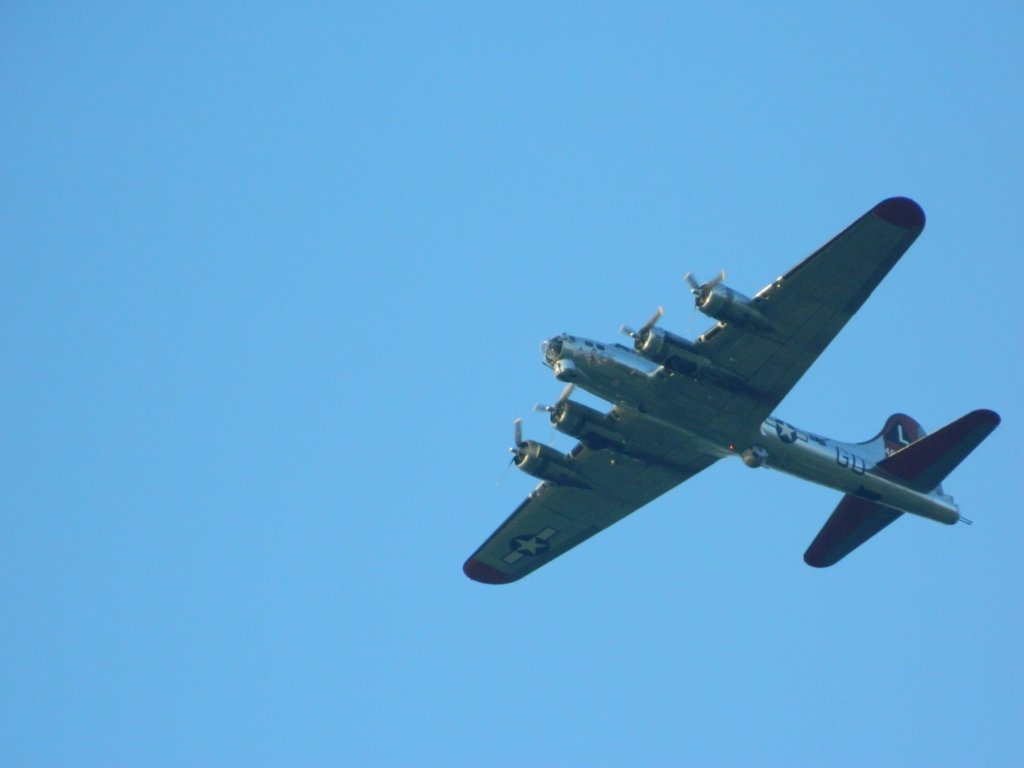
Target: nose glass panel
{"type": "Point", "coordinates": [552, 348]}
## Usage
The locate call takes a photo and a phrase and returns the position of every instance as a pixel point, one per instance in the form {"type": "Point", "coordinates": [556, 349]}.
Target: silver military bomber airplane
{"type": "Point", "coordinates": [681, 405]}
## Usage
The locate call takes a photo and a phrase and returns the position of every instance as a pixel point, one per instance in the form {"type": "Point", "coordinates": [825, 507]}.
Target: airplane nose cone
{"type": "Point", "coordinates": [551, 349]}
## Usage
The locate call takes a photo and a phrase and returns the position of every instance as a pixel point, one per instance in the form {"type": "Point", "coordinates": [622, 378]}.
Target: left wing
{"type": "Point", "coordinates": [554, 518]}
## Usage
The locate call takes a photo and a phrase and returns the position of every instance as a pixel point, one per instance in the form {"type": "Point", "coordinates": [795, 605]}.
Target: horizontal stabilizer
{"type": "Point", "coordinates": [922, 465]}
{"type": "Point", "coordinates": [855, 521]}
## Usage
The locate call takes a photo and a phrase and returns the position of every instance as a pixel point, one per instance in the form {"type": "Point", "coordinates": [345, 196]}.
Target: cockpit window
{"type": "Point", "coordinates": [552, 348]}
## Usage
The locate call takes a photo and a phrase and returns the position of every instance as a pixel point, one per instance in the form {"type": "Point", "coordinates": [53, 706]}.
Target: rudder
{"type": "Point", "coordinates": [897, 433]}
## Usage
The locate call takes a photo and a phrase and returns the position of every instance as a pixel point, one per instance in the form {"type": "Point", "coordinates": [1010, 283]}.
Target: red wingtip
{"type": "Point", "coordinates": [985, 416]}
{"type": "Point", "coordinates": [484, 573]}
{"type": "Point", "coordinates": [901, 211]}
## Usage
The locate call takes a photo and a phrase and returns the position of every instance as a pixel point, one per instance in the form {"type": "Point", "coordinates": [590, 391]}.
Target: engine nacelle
{"type": "Point", "coordinates": [723, 303]}
{"type": "Point", "coordinates": [681, 356]}
{"type": "Point", "coordinates": [674, 352]}
{"type": "Point", "coordinates": [591, 427]}
{"type": "Point", "coordinates": [546, 463]}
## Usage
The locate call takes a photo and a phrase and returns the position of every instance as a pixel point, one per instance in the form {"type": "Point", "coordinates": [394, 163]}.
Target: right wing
{"type": "Point", "coordinates": [554, 518]}
{"type": "Point", "coordinates": [807, 307]}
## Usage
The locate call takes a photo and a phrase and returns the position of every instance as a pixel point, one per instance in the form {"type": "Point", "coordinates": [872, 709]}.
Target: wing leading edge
{"type": "Point", "coordinates": [804, 310]}
{"type": "Point", "coordinates": [807, 307]}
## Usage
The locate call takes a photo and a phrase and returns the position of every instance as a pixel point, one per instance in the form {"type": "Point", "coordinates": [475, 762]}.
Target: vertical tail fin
{"type": "Point", "coordinates": [898, 432]}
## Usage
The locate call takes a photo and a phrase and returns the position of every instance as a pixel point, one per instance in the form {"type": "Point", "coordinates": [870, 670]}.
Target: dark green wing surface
{"type": "Point", "coordinates": [807, 307]}
{"type": "Point", "coordinates": [554, 518]}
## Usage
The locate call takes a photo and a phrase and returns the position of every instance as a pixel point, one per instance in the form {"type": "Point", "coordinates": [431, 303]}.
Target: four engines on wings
{"type": "Point", "coordinates": [635, 378]}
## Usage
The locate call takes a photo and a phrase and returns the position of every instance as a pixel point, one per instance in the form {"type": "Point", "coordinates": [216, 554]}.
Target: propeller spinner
{"type": "Point", "coordinates": [640, 335]}
{"type": "Point", "coordinates": [558, 404]}
{"type": "Point", "coordinates": [701, 291]}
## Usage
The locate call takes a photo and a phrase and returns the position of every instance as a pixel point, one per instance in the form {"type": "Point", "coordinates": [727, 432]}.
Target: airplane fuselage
{"type": "Point", "coordinates": [622, 376]}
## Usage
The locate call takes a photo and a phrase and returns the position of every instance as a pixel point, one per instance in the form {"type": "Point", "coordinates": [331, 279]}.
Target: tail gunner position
{"type": "Point", "coordinates": [679, 406]}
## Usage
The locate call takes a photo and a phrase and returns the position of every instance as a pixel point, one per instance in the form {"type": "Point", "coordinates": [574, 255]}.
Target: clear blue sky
{"type": "Point", "coordinates": [273, 281]}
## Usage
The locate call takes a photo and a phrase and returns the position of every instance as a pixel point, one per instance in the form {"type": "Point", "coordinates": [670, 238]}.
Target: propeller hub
{"type": "Point", "coordinates": [703, 290]}
{"type": "Point", "coordinates": [640, 337]}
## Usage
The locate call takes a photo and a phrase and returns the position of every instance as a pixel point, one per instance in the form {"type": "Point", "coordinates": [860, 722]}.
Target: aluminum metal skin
{"type": "Point", "coordinates": [624, 377]}
{"type": "Point", "coordinates": [681, 405]}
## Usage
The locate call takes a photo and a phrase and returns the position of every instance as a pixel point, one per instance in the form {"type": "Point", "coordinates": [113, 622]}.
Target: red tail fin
{"type": "Point", "coordinates": [899, 431]}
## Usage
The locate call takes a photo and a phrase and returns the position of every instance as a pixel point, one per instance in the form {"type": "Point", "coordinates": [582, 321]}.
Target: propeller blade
{"type": "Point", "coordinates": [505, 471]}
{"type": "Point", "coordinates": [566, 393]}
{"type": "Point", "coordinates": [689, 325]}
{"type": "Point", "coordinates": [625, 330]}
{"type": "Point", "coordinates": [652, 322]}
{"type": "Point", "coordinates": [701, 291]}
{"type": "Point", "coordinates": [645, 329]}
{"type": "Point", "coordinates": [518, 435]}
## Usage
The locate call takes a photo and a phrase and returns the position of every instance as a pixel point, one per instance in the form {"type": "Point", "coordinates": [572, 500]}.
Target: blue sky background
{"type": "Point", "coordinates": [273, 281]}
